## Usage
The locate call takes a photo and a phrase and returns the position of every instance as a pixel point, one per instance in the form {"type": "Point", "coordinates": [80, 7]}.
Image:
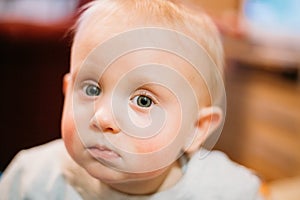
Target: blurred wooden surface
{"type": "Point", "coordinates": [285, 189]}
{"type": "Point", "coordinates": [262, 128]}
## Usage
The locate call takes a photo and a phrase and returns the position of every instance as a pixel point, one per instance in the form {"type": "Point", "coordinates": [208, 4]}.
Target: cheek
{"type": "Point", "coordinates": [68, 131]}
{"type": "Point", "coordinates": [147, 146]}
{"type": "Point", "coordinates": [168, 134]}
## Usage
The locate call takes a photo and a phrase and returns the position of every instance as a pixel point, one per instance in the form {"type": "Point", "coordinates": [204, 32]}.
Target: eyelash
{"type": "Point", "coordinates": [146, 94]}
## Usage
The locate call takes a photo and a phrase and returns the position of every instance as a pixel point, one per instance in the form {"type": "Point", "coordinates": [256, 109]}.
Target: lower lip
{"type": "Point", "coordinates": [103, 154]}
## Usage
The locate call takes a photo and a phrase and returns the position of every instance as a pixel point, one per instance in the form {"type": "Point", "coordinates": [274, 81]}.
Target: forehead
{"type": "Point", "coordinates": [152, 57]}
{"type": "Point", "coordinates": [98, 27]}
{"type": "Point", "coordinates": [94, 31]}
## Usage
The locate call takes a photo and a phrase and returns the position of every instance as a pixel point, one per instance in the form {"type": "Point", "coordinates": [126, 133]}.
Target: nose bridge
{"type": "Point", "coordinates": [102, 107]}
{"type": "Point", "coordinates": [103, 118]}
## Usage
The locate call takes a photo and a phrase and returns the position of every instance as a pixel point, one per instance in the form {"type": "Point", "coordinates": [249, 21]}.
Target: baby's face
{"type": "Point", "coordinates": [130, 118]}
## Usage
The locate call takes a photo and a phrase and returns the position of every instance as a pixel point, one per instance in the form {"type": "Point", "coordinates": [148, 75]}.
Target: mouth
{"type": "Point", "coordinates": [103, 153]}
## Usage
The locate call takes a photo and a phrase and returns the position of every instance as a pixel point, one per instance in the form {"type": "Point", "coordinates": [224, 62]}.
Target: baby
{"type": "Point", "coordinates": [143, 94]}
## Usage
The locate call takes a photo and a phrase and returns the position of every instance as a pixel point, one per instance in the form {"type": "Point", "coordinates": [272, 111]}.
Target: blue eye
{"type": "Point", "coordinates": [143, 101]}
{"type": "Point", "coordinates": [92, 90]}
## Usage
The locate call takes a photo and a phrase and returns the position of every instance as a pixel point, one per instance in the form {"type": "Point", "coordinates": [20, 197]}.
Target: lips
{"type": "Point", "coordinates": [102, 152]}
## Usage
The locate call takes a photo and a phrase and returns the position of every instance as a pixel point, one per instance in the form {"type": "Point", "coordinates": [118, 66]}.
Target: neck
{"type": "Point", "coordinates": [163, 181]}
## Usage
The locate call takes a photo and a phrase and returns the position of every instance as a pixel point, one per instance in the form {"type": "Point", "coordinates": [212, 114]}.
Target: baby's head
{"type": "Point", "coordinates": [140, 92]}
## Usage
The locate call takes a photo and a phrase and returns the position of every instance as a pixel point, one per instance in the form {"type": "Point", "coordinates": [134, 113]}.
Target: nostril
{"type": "Point", "coordinates": [105, 130]}
{"type": "Point", "coordinates": [95, 127]}
{"type": "Point", "coordinates": [109, 129]}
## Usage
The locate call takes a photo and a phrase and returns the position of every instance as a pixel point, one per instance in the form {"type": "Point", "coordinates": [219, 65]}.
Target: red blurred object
{"type": "Point", "coordinates": [15, 27]}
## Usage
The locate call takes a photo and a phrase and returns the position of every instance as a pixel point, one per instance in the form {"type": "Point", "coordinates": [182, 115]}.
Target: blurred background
{"type": "Point", "coordinates": [262, 47]}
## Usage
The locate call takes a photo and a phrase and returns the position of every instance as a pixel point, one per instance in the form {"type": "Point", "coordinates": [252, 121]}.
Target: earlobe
{"type": "Point", "coordinates": [66, 81]}
{"type": "Point", "coordinates": [209, 119]}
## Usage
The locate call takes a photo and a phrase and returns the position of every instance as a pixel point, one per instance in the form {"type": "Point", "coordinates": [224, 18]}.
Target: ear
{"type": "Point", "coordinates": [66, 82]}
{"type": "Point", "coordinates": [209, 119]}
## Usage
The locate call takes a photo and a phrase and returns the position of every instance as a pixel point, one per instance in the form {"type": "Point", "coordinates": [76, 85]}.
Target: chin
{"type": "Point", "coordinates": [109, 175]}
{"type": "Point", "coordinates": [102, 173]}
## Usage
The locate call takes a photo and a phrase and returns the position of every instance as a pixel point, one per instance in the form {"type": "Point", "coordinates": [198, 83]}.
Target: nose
{"type": "Point", "coordinates": [103, 119]}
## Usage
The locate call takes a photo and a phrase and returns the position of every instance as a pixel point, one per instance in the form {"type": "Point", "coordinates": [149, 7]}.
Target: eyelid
{"type": "Point", "coordinates": [145, 93]}
{"type": "Point", "coordinates": [89, 82]}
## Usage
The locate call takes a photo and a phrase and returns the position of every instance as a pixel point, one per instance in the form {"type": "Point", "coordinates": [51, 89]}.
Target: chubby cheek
{"type": "Point", "coordinates": [68, 132]}
{"type": "Point", "coordinates": [146, 146]}
{"type": "Point", "coordinates": [164, 139]}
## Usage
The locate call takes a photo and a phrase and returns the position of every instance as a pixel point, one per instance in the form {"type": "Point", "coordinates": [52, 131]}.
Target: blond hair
{"type": "Point", "coordinates": [160, 12]}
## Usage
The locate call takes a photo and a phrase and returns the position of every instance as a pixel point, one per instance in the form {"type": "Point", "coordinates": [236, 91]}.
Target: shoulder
{"type": "Point", "coordinates": [50, 148]}
{"type": "Point", "coordinates": [39, 157]}
{"type": "Point", "coordinates": [35, 172]}
{"type": "Point", "coordinates": [218, 177]}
